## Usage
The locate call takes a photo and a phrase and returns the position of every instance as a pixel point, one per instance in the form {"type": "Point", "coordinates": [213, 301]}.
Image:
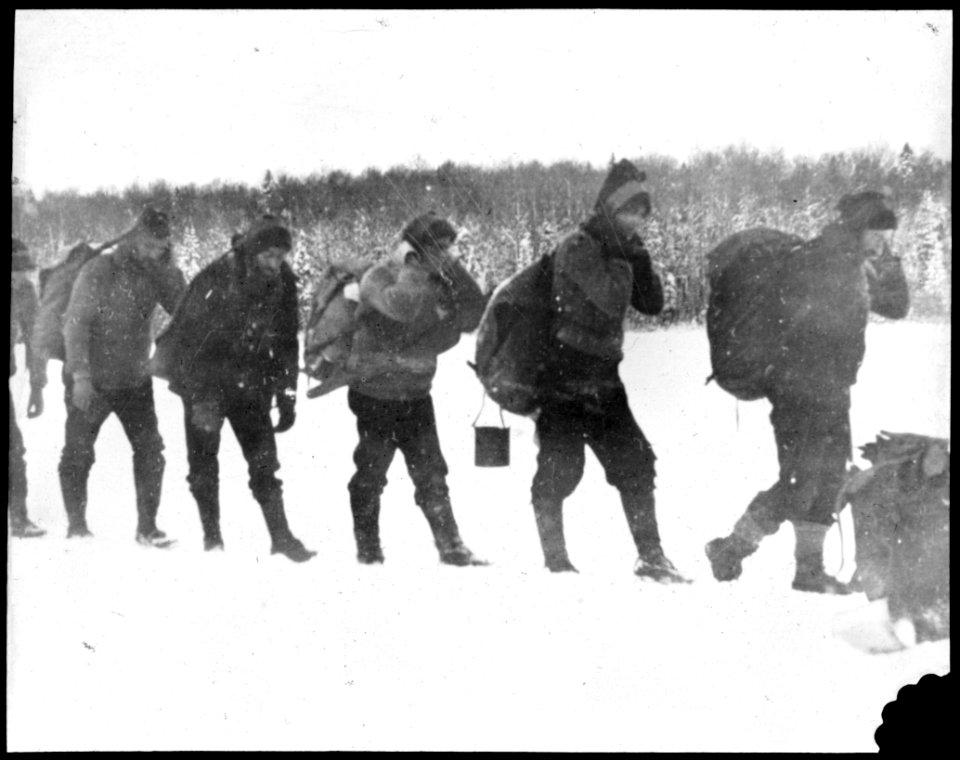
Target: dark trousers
{"type": "Point", "coordinates": [813, 447]}
{"type": "Point", "coordinates": [605, 423]}
{"type": "Point", "coordinates": [17, 471]}
{"type": "Point", "coordinates": [135, 409]}
{"type": "Point", "coordinates": [384, 427]}
{"type": "Point", "coordinates": [249, 416]}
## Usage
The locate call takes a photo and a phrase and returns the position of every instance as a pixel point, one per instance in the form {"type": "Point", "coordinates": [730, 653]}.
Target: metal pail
{"type": "Point", "coordinates": [492, 446]}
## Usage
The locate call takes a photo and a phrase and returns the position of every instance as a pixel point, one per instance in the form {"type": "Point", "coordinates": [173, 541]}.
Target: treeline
{"type": "Point", "coordinates": [512, 214]}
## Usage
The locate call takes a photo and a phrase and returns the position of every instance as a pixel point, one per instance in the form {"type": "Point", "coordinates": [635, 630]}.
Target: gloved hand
{"type": "Point", "coordinates": [206, 416]}
{"type": "Point", "coordinates": [287, 406]}
{"type": "Point", "coordinates": [35, 406]}
{"type": "Point", "coordinates": [636, 253]}
{"type": "Point", "coordinates": [84, 395]}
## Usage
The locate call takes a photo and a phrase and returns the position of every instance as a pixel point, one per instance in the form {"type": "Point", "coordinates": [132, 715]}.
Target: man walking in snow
{"type": "Point", "coordinates": [598, 271]}
{"type": "Point", "coordinates": [412, 308]}
{"type": "Point", "coordinates": [230, 350]}
{"type": "Point", "coordinates": [23, 307]}
{"type": "Point", "coordinates": [850, 271]}
{"type": "Point", "coordinates": [107, 337]}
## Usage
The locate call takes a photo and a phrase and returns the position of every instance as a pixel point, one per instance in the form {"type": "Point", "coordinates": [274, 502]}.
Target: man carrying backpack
{"type": "Point", "coordinates": [412, 307]}
{"type": "Point", "coordinates": [598, 271]}
{"type": "Point", "coordinates": [107, 336]}
{"type": "Point", "coordinates": [846, 272]}
{"type": "Point", "coordinates": [23, 306]}
{"type": "Point", "coordinates": [230, 349]}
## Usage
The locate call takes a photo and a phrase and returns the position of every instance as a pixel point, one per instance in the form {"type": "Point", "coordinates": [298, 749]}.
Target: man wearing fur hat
{"type": "Point", "coordinates": [413, 307]}
{"type": "Point", "coordinates": [107, 338]}
{"type": "Point", "coordinates": [846, 272]}
{"type": "Point", "coordinates": [230, 350]}
{"type": "Point", "coordinates": [598, 271]}
{"type": "Point", "coordinates": [23, 307]}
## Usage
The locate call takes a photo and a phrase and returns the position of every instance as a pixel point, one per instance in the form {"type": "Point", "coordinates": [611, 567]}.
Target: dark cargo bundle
{"type": "Point", "coordinates": [513, 336]}
{"type": "Point", "coordinates": [56, 285]}
{"type": "Point", "coordinates": [328, 337]}
{"type": "Point", "coordinates": [901, 516]}
{"type": "Point", "coordinates": [745, 309]}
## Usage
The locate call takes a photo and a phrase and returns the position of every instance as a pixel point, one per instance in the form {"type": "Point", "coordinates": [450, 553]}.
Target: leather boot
{"type": "Point", "coordinates": [366, 527]}
{"type": "Point", "coordinates": [726, 554]}
{"type": "Point", "coordinates": [446, 535]}
{"type": "Point", "coordinates": [549, 516]}
{"type": "Point", "coordinates": [75, 502]}
{"type": "Point", "coordinates": [148, 478]}
{"type": "Point", "coordinates": [810, 575]}
{"type": "Point", "coordinates": [283, 540]}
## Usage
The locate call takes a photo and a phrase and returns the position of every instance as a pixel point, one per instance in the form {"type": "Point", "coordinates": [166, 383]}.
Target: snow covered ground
{"type": "Point", "coordinates": [111, 646]}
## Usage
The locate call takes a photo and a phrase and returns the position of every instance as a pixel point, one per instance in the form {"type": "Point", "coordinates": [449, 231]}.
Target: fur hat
{"type": "Point", "coordinates": [267, 232]}
{"type": "Point", "coordinates": [21, 260]}
{"type": "Point", "coordinates": [868, 210]}
{"type": "Point", "coordinates": [622, 190]}
{"type": "Point", "coordinates": [427, 231]}
{"type": "Point", "coordinates": [156, 222]}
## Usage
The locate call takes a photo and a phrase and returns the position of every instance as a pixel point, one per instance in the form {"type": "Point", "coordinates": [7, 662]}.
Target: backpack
{"type": "Point", "coordinates": [56, 285]}
{"type": "Point", "coordinates": [745, 323]}
{"type": "Point", "coordinates": [328, 337]}
{"type": "Point", "coordinates": [513, 337]}
{"type": "Point", "coordinates": [901, 518]}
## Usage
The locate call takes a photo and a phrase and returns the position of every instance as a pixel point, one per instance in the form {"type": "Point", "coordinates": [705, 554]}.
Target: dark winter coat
{"type": "Point", "coordinates": [23, 310]}
{"type": "Point", "coordinates": [596, 276]}
{"type": "Point", "coordinates": [409, 314]}
{"type": "Point", "coordinates": [232, 333]}
{"type": "Point", "coordinates": [107, 325]}
{"type": "Point", "coordinates": [831, 300]}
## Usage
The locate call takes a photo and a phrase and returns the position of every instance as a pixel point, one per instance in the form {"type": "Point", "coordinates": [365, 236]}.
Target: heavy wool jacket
{"type": "Point", "coordinates": [107, 323]}
{"type": "Point", "coordinates": [829, 302]}
{"type": "Point", "coordinates": [595, 279]}
{"type": "Point", "coordinates": [232, 333]}
{"type": "Point", "coordinates": [596, 275]}
{"type": "Point", "coordinates": [409, 313]}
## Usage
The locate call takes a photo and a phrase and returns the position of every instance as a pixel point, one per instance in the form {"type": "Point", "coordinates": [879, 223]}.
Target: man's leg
{"type": "Point", "coordinates": [377, 445]}
{"type": "Point", "coordinates": [420, 445]}
{"type": "Point", "coordinates": [825, 458]}
{"type": "Point", "coordinates": [560, 462]}
{"type": "Point", "coordinates": [81, 431]}
{"type": "Point", "coordinates": [203, 447]}
{"type": "Point", "coordinates": [20, 524]}
{"type": "Point", "coordinates": [138, 416]}
{"type": "Point", "coordinates": [629, 464]}
{"type": "Point", "coordinates": [249, 417]}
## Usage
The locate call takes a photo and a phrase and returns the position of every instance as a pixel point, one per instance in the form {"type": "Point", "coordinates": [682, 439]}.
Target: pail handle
{"type": "Point", "coordinates": [483, 400]}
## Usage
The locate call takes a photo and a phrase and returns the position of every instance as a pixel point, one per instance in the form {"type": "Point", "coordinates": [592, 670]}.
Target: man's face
{"type": "Point", "coordinates": [629, 221]}
{"type": "Point", "coordinates": [152, 248]}
{"type": "Point", "coordinates": [876, 242]}
{"type": "Point", "coordinates": [268, 262]}
{"type": "Point", "coordinates": [444, 252]}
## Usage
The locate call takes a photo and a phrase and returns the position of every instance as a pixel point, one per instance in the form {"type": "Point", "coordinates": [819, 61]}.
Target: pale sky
{"type": "Point", "coordinates": [107, 98]}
